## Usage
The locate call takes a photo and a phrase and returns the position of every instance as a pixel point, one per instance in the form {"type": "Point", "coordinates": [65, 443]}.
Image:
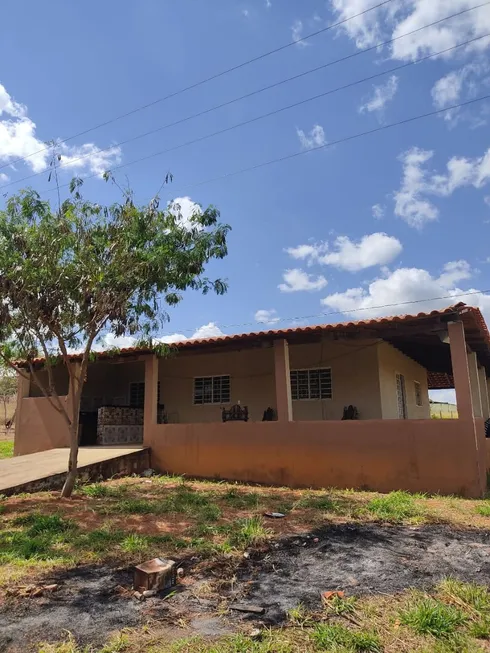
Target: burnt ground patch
{"type": "Point", "coordinates": [92, 602]}
{"type": "Point", "coordinates": [363, 559]}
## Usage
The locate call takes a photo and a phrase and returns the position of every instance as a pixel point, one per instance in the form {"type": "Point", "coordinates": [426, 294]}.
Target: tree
{"type": "Point", "coordinates": [69, 275]}
{"type": "Point", "coordinates": [8, 390]}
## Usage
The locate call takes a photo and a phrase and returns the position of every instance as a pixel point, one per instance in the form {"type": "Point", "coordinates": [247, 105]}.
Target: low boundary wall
{"type": "Point", "coordinates": [436, 456]}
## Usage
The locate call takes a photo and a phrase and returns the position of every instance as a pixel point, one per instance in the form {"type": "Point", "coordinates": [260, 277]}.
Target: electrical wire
{"type": "Point", "coordinates": [270, 86]}
{"type": "Point", "coordinates": [256, 118]}
{"type": "Point", "coordinates": [205, 81]}
{"type": "Point", "coordinates": [353, 310]}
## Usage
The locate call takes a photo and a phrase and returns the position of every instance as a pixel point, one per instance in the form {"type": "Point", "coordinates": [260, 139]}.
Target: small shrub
{"type": "Point", "coordinates": [341, 605]}
{"type": "Point", "coordinates": [431, 617]}
{"type": "Point", "coordinates": [395, 506]}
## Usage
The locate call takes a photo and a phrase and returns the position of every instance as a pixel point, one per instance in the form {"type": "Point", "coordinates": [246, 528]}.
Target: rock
{"type": "Point", "coordinates": [256, 633]}
{"type": "Point", "coordinates": [327, 596]}
{"type": "Point", "coordinates": [139, 596]}
{"type": "Point", "coordinates": [316, 540]}
{"type": "Point", "coordinates": [51, 588]}
{"type": "Point", "coordinates": [246, 554]}
{"type": "Point", "coordinates": [274, 515]}
{"type": "Point", "coordinates": [180, 572]}
{"type": "Point", "coordinates": [149, 593]}
{"type": "Point", "coordinates": [148, 472]}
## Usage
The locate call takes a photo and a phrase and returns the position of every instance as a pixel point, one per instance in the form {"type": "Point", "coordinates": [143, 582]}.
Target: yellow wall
{"type": "Point", "coordinates": [393, 362]}
{"type": "Point", "coordinates": [355, 380]}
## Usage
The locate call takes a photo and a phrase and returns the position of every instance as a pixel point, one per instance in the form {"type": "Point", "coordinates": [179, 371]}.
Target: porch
{"type": "Point", "coordinates": [302, 380]}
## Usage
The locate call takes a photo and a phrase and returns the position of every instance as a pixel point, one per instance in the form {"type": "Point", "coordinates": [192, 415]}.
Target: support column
{"type": "Point", "coordinates": [461, 374]}
{"type": "Point", "coordinates": [23, 389]}
{"type": "Point", "coordinates": [151, 399]}
{"type": "Point", "coordinates": [482, 377]}
{"type": "Point", "coordinates": [475, 384]}
{"type": "Point", "coordinates": [283, 381]}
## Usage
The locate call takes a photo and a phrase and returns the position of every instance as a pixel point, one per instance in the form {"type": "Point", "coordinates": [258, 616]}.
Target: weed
{"type": "Point", "coordinates": [102, 490]}
{"type": "Point", "coordinates": [101, 539]}
{"type": "Point", "coordinates": [239, 499]}
{"type": "Point", "coordinates": [342, 605]}
{"type": "Point", "coordinates": [430, 617]}
{"type": "Point", "coordinates": [483, 508]}
{"type": "Point", "coordinates": [39, 524]}
{"type": "Point", "coordinates": [135, 543]}
{"type": "Point", "coordinates": [480, 629]}
{"type": "Point", "coordinates": [136, 506]}
{"type": "Point", "coordinates": [318, 502]}
{"type": "Point", "coordinates": [475, 596]}
{"type": "Point", "coordinates": [330, 637]}
{"type": "Point", "coordinates": [249, 532]}
{"type": "Point", "coordinates": [299, 616]}
{"type": "Point", "coordinates": [395, 506]}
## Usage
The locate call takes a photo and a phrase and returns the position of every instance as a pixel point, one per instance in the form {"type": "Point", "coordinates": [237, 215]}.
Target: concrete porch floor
{"type": "Point", "coordinates": [17, 473]}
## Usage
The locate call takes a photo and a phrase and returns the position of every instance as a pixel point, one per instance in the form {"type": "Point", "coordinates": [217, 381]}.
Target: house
{"type": "Point", "coordinates": [301, 379]}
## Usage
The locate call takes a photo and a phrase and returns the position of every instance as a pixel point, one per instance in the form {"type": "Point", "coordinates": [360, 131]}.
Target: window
{"type": "Point", "coordinates": [211, 390]}
{"type": "Point", "coordinates": [401, 396]}
{"type": "Point", "coordinates": [137, 394]}
{"type": "Point", "coordinates": [311, 384]}
{"type": "Point", "coordinates": [418, 393]}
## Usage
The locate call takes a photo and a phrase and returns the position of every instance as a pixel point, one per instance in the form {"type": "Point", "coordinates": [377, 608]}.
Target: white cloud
{"type": "Point", "coordinates": [397, 18]}
{"type": "Point", "coordinates": [443, 396]}
{"type": "Point", "coordinates": [378, 211]}
{"type": "Point", "coordinates": [4, 178]}
{"type": "Point", "coordinates": [268, 4]}
{"type": "Point", "coordinates": [460, 84]}
{"type": "Point", "coordinates": [18, 139]}
{"type": "Point", "coordinates": [315, 138]}
{"type": "Point", "coordinates": [264, 316]}
{"type": "Point", "coordinates": [384, 295]}
{"type": "Point", "coordinates": [297, 280]}
{"type": "Point", "coordinates": [210, 330]}
{"type": "Point", "coordinates": [411, 203]}
{"type": "Point", "coordinates": [245, 12]}
{"type": "Point", "coordinates": [306, 252]}
{"type": "Point", "coordinates": [371, 250]}
{"type": "Point", "coordinates": [486, 199]}
{"type": "Point", "coordinates": [382, 94]}
{"type": "Point", "coordinates": [184, 208]}
{"type": "Point", "coordinates": [297, 33]}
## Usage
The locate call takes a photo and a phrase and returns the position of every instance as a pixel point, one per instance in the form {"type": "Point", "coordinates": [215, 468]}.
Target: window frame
{"type": "Point", "coordinates": [405, 400]}
{"type": "Point", "coordinates": [417, 384]}
{"type": "Point", "coordinates": [143, 383]}
{"type": "Point", "coordinates": [312, 369]}
{"type": "Point", "coordinates": [212, 377]}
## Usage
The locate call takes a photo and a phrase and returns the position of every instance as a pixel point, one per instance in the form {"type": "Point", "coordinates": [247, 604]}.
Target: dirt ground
{"type": "Point", "coordinates": [93, 601]}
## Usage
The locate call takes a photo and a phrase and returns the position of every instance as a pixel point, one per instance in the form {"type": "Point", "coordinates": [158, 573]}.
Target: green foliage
{"type": "Point", "coordinates": [474, 596]}
{"type": "Point", "coordinates": [335, 637]}
{"type": "Point", "coordinates": [102, 490]}
{"type": "Point", "coordinates": [249, 532]}
{"type": "Point", "coordinates": [39, 524]}
{"type": "Point", "coordinates": [431, 617]}
{"type": "Point", "coordinates": [239, 499]}
{"type": "Point", "coordinates": [318, 502]}
{"type": "Point", "coordinates": [6, 449]}
{"type": "Point", "coordinates": [394, 507]}
{"type": "Point", "coordinates": [483, 508]}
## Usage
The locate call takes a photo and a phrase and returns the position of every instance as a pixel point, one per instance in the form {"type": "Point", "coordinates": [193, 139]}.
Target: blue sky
{"type": "Point", "coordinates": [397, 216]}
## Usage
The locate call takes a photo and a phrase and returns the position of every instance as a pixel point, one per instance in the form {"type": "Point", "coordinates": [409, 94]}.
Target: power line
{"type": "Point", "coordinates": [294, 154]}
{"type": "Point", "coordinates": [354, 310]}
{"type": "Point", "coordinates": [276, 84]}
{"type": "Point", "coordinates": [205, 81]}
{"type": "Point", "coordinates": [291, 106]}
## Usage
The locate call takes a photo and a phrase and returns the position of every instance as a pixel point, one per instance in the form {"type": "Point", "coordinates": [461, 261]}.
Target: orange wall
{"type": "Point", "coordinates": [40, 427]}
{"type": "Point", "coordinates": [423, 455]}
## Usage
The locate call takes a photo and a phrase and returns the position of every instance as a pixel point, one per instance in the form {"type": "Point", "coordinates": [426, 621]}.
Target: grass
{"type": "Point", "coordinates": [6, 449]}
{"type": "Point", "coordinates": [396, 506]}
{"type": "Point", "coordinates": [124, 521]}
{"type": "Point", "coordinates": [428, 616]}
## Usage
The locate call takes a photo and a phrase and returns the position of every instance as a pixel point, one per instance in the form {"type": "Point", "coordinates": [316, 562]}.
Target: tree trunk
{"type": "Point", "coordinates": [75, 399]}
{"type": "Point", "coordinates": [71, 477]}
